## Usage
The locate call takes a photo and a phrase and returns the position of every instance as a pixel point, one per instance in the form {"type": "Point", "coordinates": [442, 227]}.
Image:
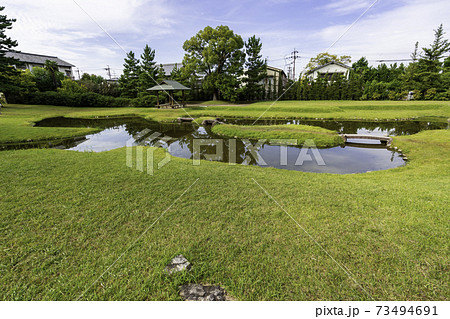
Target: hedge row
{"type": "Point", "coordinates": [80, 100]}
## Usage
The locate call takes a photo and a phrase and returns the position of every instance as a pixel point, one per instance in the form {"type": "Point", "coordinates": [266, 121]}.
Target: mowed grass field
{"type": "Point", "coordinates": [85, 226]}
{"type": "Point", "coordinates": [16, 121]}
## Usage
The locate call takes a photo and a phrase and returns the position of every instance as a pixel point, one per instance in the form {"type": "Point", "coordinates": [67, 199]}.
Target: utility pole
{"type": "Point", "coordinates": [108, 71]}
{"type": "Point", "coordinates": [289, 70]}
{"type": "Point", "coordinates": [294, 56]}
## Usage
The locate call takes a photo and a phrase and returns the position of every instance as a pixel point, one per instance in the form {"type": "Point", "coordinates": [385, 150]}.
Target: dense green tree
{"type": "Point", "coordinates": [71, 86]}
{"type": "Point", "coordinates": [335, 87]}
{"type": "Point", "coordinates": [149, 70]}
{"type": "Point", "coordinates": [129, 80]}
{"type": "Point", "coordinates": [430, 63]}
{"type": "Point", "coordinates": [256, 69]}
{"type": "Point", "coordinates": [217, 55]}
{"type": "Point", "coordinates": [280, 87]}
{"type": "Point", "coordinates": [178, 75]}
{"type": "Point", "coordinates": [438, 48]}
{"type": "Point", "coordinates": [7, 71]}
{"type": "Point", "coordinates": [45, 81]}
{"type": "Point", "coordinates": [324, 58]}
{"type": "Point", "coordinates": [160, 73]}
{"type": "Point", "coordinates": [92, 82]}
{"type": "Point", "coordinates": [98, 84]}
{"type": "Point", "coordinates": [52, 68]}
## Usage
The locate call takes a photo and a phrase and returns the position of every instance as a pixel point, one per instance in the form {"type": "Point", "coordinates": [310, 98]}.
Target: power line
{"type": "Point", "coordinates": [294, 56]}
{"type": "Point", "coordinates": [108, 71]}
{"type": "Point", "coordinates": [390, 60]}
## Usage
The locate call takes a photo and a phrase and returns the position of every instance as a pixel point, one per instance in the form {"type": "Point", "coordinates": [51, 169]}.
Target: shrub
{"type": "Point", "coordinates": [144, 101]}
{"type": "Point", "coordinates": [62, 98]}
{"type": "Point", "coordinates": [429, 95]}
{"type": "Point", "coordinates": [442, 96]}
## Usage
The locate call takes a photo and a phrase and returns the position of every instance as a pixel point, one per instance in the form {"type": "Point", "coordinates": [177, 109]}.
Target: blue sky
{"type": "Point", "coordinates": [60, 27]}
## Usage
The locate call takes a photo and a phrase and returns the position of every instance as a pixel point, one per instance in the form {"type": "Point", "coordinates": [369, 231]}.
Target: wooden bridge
{"type": "Point", "coordinates": [383, 139]}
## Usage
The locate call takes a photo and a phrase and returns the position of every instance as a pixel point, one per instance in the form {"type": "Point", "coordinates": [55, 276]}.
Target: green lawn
{"type": "Point", "coordinates": [322, 137]}
{"type": "Point", "coordinates": [16, 120]}
{"type": "Point", "coordinates": [333, 109]}
{"type": "Point", "coordinates": [65, 217]}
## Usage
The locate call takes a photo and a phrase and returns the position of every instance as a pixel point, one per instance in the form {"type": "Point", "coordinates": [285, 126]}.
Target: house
{"type": "Point", "coordinates": [168, 68]}
{"type": "Point", "coordinates": [327, 70]}
{"type": "Point", "coordinates": [271, 82]}
{"type": "Point", "coordinates": [30, 60]}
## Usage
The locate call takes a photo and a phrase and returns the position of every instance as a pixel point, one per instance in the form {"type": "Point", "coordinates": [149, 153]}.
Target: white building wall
{"type": "Point", "coordinates": [332, 68]}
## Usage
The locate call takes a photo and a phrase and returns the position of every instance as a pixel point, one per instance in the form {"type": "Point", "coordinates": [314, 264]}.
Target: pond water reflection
{"type": "Point", "coordinates": [189, 141]}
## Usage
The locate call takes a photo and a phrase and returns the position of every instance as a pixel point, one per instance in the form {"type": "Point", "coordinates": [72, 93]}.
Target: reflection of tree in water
{"type": "Point", "coordinates": [352, 127]}
{"type": "Point", "coordinates": [234, 150]}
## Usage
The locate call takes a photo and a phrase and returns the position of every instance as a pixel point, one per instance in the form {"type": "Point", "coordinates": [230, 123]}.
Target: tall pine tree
{"type": "Point", "coordinates": [256, 69]}
{"type": "Point", "coordinates": [129, 80]}
{"type": "Point", "coordinates": [148, 70]}
{"type": "Point", "coordinates": [7, 71]}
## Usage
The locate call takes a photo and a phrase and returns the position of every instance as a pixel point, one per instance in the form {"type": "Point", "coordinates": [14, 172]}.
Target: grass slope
{"type": "Point", "coordinates": [321, 137]}
{"type": "Point", "coordinates": [65, 217]}
{"type": "Point", "coordinates": [333, 110]}
{"type": "Point", "coordinates": [16, 120]}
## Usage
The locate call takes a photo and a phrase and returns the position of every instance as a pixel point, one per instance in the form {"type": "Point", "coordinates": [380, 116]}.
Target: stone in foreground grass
{"type": "Point", "coordinates": [178, 263]}
{"type": "Point", "coordinates": [196, 292]}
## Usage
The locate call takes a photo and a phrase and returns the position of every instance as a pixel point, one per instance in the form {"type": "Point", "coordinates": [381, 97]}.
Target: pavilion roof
{"type": "Point", "coordinates": [169, 85]}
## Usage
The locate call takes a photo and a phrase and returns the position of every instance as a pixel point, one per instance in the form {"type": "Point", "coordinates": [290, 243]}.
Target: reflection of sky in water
{"type": "Point", "coordinates": [339, 160]}
{"type": "Point", "coordinates": [108, 139]}
{"type": "Point", "coordinates": [375, 132]}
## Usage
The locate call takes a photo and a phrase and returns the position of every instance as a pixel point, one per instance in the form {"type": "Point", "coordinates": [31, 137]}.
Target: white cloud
{"type": "Point", "coordinates": [391, 34]}
{"type": "Point", "coordinates": [63, 29]}
{"type": "Point", "coordinates": [347, 6]}
{"type": "Point", "coordinates": [59, 27]}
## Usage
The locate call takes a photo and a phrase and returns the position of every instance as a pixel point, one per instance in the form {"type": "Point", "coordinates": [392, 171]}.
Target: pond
{"type": "Point", "coordinates": [190, 141]}
{"type": "Point", "coordinates": [392, 128]}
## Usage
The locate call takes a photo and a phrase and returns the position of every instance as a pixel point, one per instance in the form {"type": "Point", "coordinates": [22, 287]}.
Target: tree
{"type": "Point", "coordinates": [70, 86]}
{"type": "Point", "coordinates": [429, 65]}
{"type": "Point", "coordinates": [148, 72]}
{"type": "Point", "coordinates": [129, 80]}
{"type": "Point", "coordinates": [415, 54]}
{"type": "Point", "coordinates": [160, 73]}
{"type": "Point", "coordinates": [217, 55]}
{"type": "Point", "coordinates": [324, 58]}
{"type": "Point", "coordinates": [256, 69]}
{"type": "Point", "coordinates": [44, 80]}
{"type": "Point", "coordinates": [52, 68]}
{"type": "Point", "coordinates": [438, 48]}
{"type": "Point", "coordinates": [6, 44]}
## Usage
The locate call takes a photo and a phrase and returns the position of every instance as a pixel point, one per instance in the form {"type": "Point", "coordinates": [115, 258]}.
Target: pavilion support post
{"type": "Point", "coordinates": [182, 98]}
{"type": "Point", "coordinates": [157, 98]}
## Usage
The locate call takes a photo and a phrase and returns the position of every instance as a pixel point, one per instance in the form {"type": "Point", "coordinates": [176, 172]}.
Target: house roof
{"type": "Point", "coordinates": [168, 67]}
{"type": "Point", "coordinates": [329, 63]}
{"type": "Point", "coordinates": [168, 85]}
{"type": "Point", "coordinates": [274, 68]}
{"type": "Point", "coordinates": [36, 58]}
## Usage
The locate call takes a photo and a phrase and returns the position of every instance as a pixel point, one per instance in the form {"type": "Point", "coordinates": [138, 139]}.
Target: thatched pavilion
{"type": "Point", "coordinates": [170, 86]}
